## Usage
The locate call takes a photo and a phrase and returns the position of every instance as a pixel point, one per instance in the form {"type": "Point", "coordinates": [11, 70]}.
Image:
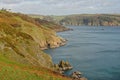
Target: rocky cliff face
{"type": "Point", "coordinates": [91, 20]}
{"type": "Point", "coordinates": [22, 39]}
{"type": "Point", "coordinates": [86, 19]}
{"type": "Point", "coordinates": [52, 25]}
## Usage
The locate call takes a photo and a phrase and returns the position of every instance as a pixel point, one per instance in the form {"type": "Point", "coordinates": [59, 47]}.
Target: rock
{"type": "Point", "coordinates": [78, 73]}
{"type": "Point", "coordinates": [83, 78]}
{"type": "Point", "coordinates": [77, 76]}
{"type": "Point", "coordinates": [64, 65]}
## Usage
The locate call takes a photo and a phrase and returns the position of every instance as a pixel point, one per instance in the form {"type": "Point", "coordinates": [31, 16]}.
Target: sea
{"type": "Point", "coordinates": [92, 50]}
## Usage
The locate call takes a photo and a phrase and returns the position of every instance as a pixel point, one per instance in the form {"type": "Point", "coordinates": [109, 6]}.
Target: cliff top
{"type": "Point", "coordinates": [21, 42]}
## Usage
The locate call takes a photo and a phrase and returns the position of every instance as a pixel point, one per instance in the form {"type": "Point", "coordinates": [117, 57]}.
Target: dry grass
{"type": "Point", "coordinates": [20, 55]}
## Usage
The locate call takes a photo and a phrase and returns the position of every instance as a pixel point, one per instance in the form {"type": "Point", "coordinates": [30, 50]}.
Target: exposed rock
{"type": "Point", "coordinates": [77, 76]}
{"type": "Point", "coordinates": [86, 19]}
{"type": "Point", "coordinates": [83, 78]}
{"type": "Point", "coordinates": [63, 66]}
{"type": "Point", "coordinates": [22, 38]}
{"type": "Point", "coordinates": [52, 25]}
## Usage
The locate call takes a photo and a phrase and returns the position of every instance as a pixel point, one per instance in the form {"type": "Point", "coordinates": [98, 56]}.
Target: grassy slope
{"type": "Point", "coordinates": [51, 25]}
{"type": "Point", "coordinates": [10, 70]}
{"type": "Point", "coordinates": [50, 22]}
{"type": "Point", "coordinates": [21, 40]}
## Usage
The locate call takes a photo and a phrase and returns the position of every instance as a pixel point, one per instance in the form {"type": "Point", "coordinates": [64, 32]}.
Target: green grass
{"type": "Point", "coordinates": [21, 57]}
{"type": "Point", "coordinates": [11, 70]}
{"type": "Point", "coordinates": [9, 73]}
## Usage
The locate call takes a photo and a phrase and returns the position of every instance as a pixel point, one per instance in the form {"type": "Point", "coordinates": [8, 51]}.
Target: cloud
{"type": "Point", "coordinates": [10, 1]}
{"type": "Point", "coordinates": [62, 6]}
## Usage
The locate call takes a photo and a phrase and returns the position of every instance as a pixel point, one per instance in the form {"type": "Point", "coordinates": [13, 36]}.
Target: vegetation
{"type": "Point", "coordinates": [50, 22]}
{"type": "Point", "coordinates": [52, 25]}
{"type": "Point", "coordinates": [22, 39]}
{"type": "Point", "coordinates": [86, 19]}
{"type": "Point", "coordinates": [92, 20]}
{"type": "Point", "coordinates": [10, 70]}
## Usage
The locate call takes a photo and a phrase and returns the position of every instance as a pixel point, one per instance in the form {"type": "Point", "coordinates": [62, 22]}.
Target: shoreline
{"type": "Point", "coordinates": [62, 66]}
{"type": "Point", "coordinates": [64, 30]}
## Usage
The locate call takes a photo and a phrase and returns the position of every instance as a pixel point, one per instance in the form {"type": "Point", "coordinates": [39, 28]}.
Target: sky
{"type": "Point", "coordinates": [62, 7]}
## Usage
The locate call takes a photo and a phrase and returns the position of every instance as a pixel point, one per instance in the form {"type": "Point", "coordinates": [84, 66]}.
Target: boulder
{"type": "Point", "coordinates": [77, 76]}
{"type": "Point", "coordinates": [64, 65]}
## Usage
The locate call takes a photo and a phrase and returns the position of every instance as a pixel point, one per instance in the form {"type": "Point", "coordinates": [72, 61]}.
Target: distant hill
{"type": "Point", "coordinates": [22, 40]}
{"type": "Point", "coordinates": [92, 20]}
{"type": "Point", "coordinates": [52, 25]}
{"type": "Point", "coordinates": [86, 19]}
{"type": "Point", "coordinates": [49, 23]}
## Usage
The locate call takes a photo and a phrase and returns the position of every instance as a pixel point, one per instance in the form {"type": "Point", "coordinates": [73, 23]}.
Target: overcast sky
{"type": "Point", "coordinates": [62, 7]}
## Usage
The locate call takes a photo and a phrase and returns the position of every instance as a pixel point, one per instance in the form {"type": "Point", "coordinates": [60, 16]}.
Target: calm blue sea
{"type": "Point", "coordinates": [95, 51]}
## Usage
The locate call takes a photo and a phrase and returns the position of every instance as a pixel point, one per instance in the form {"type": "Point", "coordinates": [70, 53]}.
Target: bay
{"type": "Point", "coordinates": [95, 51]}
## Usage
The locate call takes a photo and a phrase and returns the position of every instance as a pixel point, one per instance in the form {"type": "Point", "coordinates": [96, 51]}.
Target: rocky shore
{"type": "Point", "coordinates": [62, 30]}
{"type": "Point", "coordinates": [77, 76]}
{"type": "Point", "coordinates": [63, 66]}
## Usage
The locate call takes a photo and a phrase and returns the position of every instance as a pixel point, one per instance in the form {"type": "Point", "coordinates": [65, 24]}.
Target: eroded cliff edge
{"type": "Point", "coordinates": [22, 39]}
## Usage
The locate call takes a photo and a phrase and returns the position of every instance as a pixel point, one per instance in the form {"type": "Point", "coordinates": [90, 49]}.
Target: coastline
{"type": "Point", "coordinates": [62, 66]}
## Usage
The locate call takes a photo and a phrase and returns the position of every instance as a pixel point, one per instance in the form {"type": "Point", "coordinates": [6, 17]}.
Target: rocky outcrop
{"type": "Point", "coordinates": [45, 37]}
{"type": "Point", "coordinates": [77, 76]}
{"type": "Point", "coordinates": [62, 66]}
{"type": "Point", "coordinates": [86, 19]}
{"type": "Point", "coordinates": [52, 25]}
{"type": "Point", "coordinates": [91, 20]}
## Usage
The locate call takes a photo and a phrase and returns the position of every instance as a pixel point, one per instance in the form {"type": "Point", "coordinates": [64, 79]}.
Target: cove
{"type": "Point", "coordinates": [95, 51]}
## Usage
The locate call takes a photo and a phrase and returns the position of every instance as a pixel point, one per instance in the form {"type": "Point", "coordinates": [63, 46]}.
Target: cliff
{"type": "Point", "coordinates": [92, 20]}
{"type": "Point", "coordinates": [21, 42]}
{"type": "Point", "coordinates": [49, 23]}
{"type": "Point", "coordinates": [52, 25]}
{"type": "Point", "coordinates": [86, 19]}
